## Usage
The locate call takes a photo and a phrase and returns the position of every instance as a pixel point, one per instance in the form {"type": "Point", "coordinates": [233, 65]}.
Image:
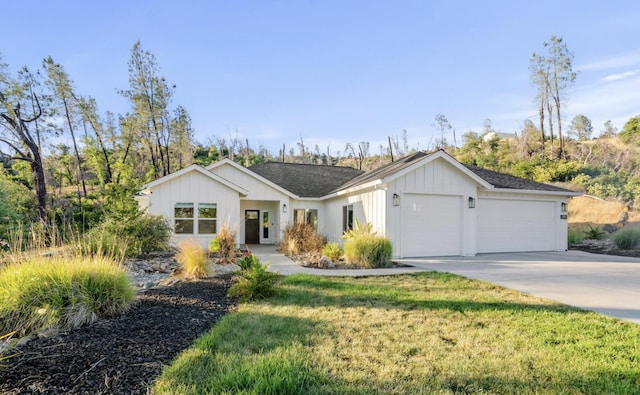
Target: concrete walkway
{"type": "Point", "coordinates": [603, 283]}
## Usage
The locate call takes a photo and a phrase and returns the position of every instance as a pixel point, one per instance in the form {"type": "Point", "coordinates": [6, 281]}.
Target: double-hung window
{"type": "Point", "coordinates": [183, 214]}
{"type": "Point", "coordinates": [207, 217]}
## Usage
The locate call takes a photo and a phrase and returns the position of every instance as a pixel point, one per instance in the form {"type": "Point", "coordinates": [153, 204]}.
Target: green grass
{"type": "Point", "coordinates": [59, 291]}
{"type": "Point", "coordinates": [421, 333]}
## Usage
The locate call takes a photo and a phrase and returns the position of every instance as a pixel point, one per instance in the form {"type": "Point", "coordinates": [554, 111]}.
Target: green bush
{"type": "Point", "coordinates": [64, 292]}
{"type": "Point", "coordinates": [140, 234]}
{"type": "Point", "coordinates": [364, 249]}
{"type": "Point", "coordinates": [332, 251]}
{"type": "Point", "coordinates": [193, 259]}
{"type": "Point", "coordinates": [627, 239]}
{"type": "Point", "coordinates": [575, 236]}
{"type": "Point", "coordinates": [595, 233]}
{"type": "Point", "coordinates": [247, 261]}
{"type": "Point", "coordinates": [254, 282]}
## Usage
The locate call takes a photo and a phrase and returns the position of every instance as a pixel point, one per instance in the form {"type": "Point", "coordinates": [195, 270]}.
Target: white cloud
{"type": "Point", "coordinates": [612, 62]}
{"type": "Point", "coordinates": [620, 76]}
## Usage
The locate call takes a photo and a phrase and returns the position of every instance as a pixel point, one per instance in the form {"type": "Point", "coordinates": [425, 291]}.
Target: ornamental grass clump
{"type": "Point", "coordinates": [627, 239]}
{"type": "Point", "coordinates": [193, 259]}
{"type": "Point", "coordinates": [61, 292]}
{"type": "Point", "coordinates": [253, 280]}
{"type": "Point", "coordinates": [224, 244]}
{"type": "Point", "coordinates": [332, 251]}
{"type": "Point", "coordinates": [365, 249]}
{"type": "Point", "coordinates": [300, 239]}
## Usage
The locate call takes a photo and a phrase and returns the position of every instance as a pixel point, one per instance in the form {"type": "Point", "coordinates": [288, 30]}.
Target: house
{"type": "Point", "coordinates": [426, 204]}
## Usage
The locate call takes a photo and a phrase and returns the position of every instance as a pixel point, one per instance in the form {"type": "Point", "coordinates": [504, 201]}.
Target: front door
{"type": "Point", "coordinates": [252, 227]}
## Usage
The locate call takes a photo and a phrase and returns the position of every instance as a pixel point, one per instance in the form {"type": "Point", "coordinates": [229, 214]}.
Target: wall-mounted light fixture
{"type": "Point", "coordinates": [284, 208]}
{"type": "Point", "coordinates": [472, 202]}
{"type": "Point", "coordinates": [563, 207]}
{"type": "Point", "coordinates": [396, 199]}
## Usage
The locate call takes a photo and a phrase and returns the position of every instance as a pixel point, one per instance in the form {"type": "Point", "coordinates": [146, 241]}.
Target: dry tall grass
{"type": "Point", "coordinates": [592, 210]}
{"type": "Point", "coordinates": [193, 259]}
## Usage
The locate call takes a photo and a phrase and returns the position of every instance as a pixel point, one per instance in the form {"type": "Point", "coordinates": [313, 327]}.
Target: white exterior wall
{"type": "Point", "coordinates": [368, 206]}
{"type": "Point", "coordinates": [194, 187]}
{"type": "Point", "coordinates": [437, 177]}
{"type": "Point", "coordinates": [560, 229]}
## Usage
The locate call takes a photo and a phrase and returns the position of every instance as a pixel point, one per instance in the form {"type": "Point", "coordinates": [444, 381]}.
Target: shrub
{"type": "Point", "coordinates": [364, 249]}
{"type": "Point", "coordinates": [247, 261]}
{"type": "Point", "coordinates": [575, 236]}
{"type": "Point", "coordinates": [66, 292]}
{"type": "Point", "coordinates": [141, 234]}
{"type": "Point", "coordinates": [627, 239]}
{"type": "Point", "coordinates": [595, 233]}
{"type": "Point", "coordinates": [254, 281]}
{"type": "Point", "coordinates": [301, 238]}
{"type": "Point", "coordinates": [224, 244]}
{"type": "Point", "coordinates": [193, 259]}
{"type": "Point", "coordinates": [332, 251]}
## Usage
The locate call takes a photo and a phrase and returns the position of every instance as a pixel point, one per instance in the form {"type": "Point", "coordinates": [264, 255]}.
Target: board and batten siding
{"type": "Point", "coordinates": [368, 206]}
{"type": "Point", "coordinates": [194, 187]}
{"type": "Point", "coordinates": [437, 177]}
{"type": "Point", "coordinates": [258, 190]}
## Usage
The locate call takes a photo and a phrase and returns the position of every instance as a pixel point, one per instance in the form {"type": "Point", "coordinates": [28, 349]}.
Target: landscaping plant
{"type": "Point", "coordinates": [253, 281]}
{"type": "Point", "coordinates": [332, 251]}
{"type": "Point", "coordinates": [301, 238]}
{"type": "Point", "coordinates": [595, 233]}
{"type": "Point", "coordinates": [224, 244]}
{"type": "Point", "coordinates": [60, 291]}
{"type": "Point", "coordinates": [193, 259]}
{"type": "Point", "coordinates": [627, 239]}
{"type": "Point", "coordinates": [363, 248]}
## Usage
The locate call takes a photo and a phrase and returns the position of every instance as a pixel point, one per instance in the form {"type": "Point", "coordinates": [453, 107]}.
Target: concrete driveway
{"type": "Point", "coordinates": [607, 284]}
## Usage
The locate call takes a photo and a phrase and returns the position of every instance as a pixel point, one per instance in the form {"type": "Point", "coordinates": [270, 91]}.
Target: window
{"type": "Point", "coordinates": [306, 216]}
{"type": "Point", "coordinates": [183, 214]}
{"type": "Point", "coordinates": [185, 217]}
{"type": "Point", "coordinates": [347, 217]}
{"type": "Point", "coordinates": [207, 215]}
{"type": "Point", "coordinates": [265, 225]}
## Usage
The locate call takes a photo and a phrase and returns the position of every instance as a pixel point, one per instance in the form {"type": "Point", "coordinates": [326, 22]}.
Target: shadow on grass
{"type": "Point", "coordinates": [313, 291]}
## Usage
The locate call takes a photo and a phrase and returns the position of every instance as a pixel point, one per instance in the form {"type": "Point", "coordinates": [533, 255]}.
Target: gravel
{"type": "Point", "coordinates": [121, 355]}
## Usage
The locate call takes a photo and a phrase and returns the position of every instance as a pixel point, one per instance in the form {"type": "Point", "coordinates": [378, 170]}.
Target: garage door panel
{"type": "Point", "coordinates": [515, 225]}
{"type": "Point", "coordinates": [431, 225]}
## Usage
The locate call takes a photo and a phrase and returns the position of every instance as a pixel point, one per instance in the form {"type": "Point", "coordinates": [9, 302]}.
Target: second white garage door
{"type": "Point", "coordinates": [516, 225]}
{"type": "Point", "coordinates": [431, 225]}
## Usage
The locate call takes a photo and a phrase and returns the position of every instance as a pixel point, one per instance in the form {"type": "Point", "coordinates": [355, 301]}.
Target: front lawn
{"type": "Point", "coordinates": [419, 333]}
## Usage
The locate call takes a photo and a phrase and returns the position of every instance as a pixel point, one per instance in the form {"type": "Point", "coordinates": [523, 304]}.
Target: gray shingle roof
{"type": "Point", "coordinates": [507, 181]}
{"type": "Point", "coordinates": [317, 181]}
{"type": "Point", "coordinates": [306, 180]}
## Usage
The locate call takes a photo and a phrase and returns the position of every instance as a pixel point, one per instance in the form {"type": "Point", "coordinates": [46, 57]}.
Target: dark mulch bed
{"type": "Point", "coordinates": [121, 355]}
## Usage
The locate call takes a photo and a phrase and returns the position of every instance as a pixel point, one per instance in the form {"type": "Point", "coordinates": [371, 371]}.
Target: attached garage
{"type": "Point", "coordinates": [509, 225]}
{"type": "Point", "coordinates": [432, 225]}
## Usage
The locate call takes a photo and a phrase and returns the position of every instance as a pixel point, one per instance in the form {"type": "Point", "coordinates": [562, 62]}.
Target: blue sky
{"type": "Point", "coordinates": [333, 72]}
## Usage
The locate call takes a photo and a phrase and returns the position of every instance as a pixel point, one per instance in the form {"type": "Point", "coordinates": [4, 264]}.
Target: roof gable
{"type": "Point", "coordinates": [200, 170]}
{"type": "Point", "coordinates": [405, 165]}
{"type": "Point", "coordinates": [305, 180]}
{"type": "Point", "coordinates": [249, 172]}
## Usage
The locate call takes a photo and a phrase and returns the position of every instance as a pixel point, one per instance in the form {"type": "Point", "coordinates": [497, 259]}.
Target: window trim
{"type": "Point", "coordinates": [347, 218]}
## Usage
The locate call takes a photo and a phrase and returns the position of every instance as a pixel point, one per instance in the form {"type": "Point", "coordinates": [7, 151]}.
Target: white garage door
{"type": "Point", "coordinates": [431, 225]}
{"type": "Point", "coordinates": [516, 225]}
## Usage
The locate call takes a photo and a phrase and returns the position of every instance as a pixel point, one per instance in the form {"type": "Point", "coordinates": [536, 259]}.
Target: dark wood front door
{"type": "Point", "coordinates": [252, 227]}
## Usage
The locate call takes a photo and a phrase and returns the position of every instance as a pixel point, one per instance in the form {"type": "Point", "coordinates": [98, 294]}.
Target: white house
{"type": "Point", "coordinates": [426, 204]}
